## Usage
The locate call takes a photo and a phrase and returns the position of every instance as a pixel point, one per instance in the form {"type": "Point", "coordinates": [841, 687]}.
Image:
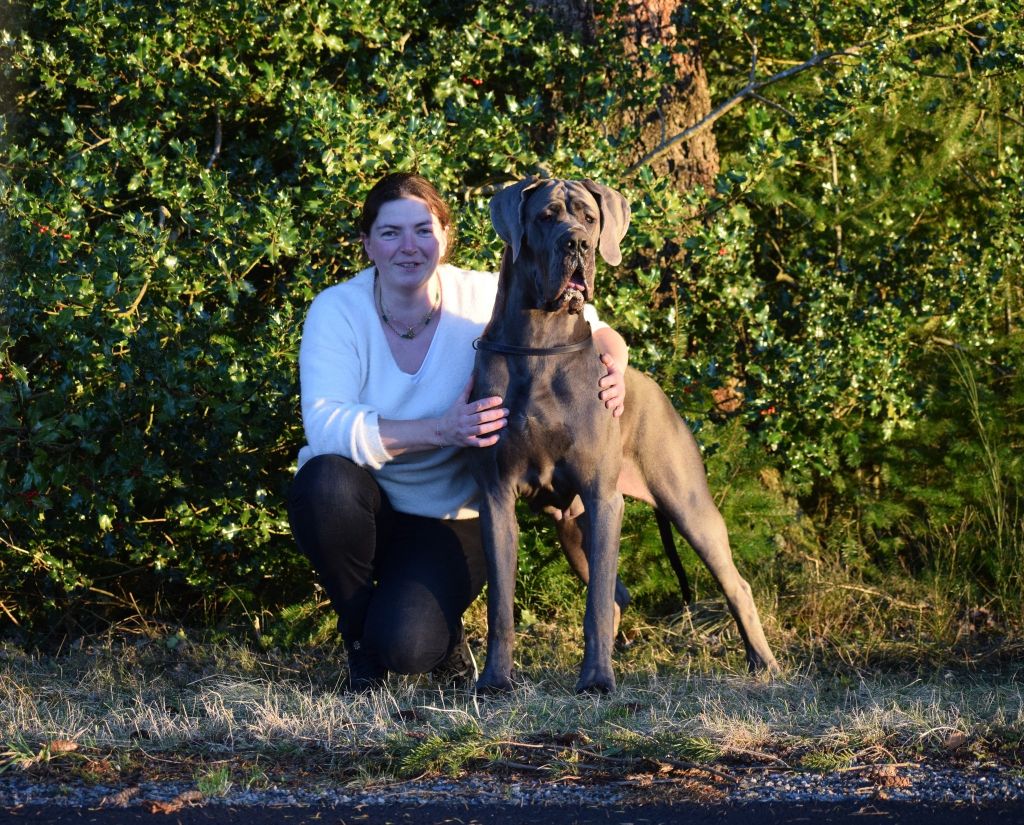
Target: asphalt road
{"type": "Point", "coordinates": [844, 813]}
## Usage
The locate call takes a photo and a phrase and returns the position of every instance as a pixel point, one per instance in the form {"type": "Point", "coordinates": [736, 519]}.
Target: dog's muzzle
{"type": "Point", "coordinates": [573, 291]}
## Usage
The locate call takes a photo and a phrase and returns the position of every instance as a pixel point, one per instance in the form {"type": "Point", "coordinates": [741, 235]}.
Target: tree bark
{"type": "Point", "coordinates": [682, 102]}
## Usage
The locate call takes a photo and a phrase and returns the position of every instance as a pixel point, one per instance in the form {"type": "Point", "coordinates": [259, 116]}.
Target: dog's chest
{"type": "Point", "coordinates": [556, 426]}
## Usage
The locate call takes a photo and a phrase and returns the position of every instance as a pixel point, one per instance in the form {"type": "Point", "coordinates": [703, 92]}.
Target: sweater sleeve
{"type": "Point", "coordinates": [590, 313]}
{"type": "Point", "coordinates": [331, 362]}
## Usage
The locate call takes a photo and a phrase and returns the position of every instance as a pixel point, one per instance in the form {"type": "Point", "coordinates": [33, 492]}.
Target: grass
{"type": "Point", "coordinates": [232, 715]}
{"type": "Point", "coordinates": [882, 666]}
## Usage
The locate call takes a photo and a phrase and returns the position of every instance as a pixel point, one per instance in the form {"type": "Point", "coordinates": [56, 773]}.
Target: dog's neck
{"type": "Point", "coordinates": [518, 321]}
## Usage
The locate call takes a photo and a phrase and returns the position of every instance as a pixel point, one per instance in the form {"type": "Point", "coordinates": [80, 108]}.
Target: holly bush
{"type": "Point", "coordinates": [178, 180]}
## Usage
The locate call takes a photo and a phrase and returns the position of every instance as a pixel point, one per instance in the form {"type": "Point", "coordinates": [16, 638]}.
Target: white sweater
{"type": "Point", "coordinates": [349, 380]}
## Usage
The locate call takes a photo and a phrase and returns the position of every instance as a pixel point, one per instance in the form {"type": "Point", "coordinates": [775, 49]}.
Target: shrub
{"type": "Point", "coordinates": [179, 180]}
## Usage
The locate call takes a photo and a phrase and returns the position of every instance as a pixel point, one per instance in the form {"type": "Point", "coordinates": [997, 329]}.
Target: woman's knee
{"type": "Point", "coordinates": [334, 484]}
{"type": "Point", "coordinates": [410, 647]}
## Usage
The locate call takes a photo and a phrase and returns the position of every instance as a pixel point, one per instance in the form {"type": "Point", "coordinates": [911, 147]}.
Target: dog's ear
{"type": "Point", "coordinates": [507, 212]}
{"type": "Point", "coordinates": [614, 220]}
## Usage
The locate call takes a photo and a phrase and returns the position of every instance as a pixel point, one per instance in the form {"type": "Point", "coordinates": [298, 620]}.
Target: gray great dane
{"type": "Point", "coordinates": [561, 447]}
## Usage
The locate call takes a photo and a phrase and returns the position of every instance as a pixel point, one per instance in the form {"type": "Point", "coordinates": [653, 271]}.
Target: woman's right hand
{"type": "Point", "coordinates": [471, 423]}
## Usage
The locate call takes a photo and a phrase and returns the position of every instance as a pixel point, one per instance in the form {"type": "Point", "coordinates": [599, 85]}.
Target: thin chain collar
{"type": "Point", "coordinates": [410, 332]}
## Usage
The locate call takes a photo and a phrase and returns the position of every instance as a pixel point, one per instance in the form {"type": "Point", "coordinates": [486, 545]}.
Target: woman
{"type": "Point", "coordinates": [383, 503]}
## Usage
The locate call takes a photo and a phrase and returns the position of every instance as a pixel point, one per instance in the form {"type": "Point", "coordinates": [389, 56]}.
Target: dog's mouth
{"type": "Point", "coordinates": [574, 292]}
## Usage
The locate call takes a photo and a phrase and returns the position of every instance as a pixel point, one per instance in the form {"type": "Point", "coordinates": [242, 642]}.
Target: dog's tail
{"type": "Point", "coordinates": [669, 543]}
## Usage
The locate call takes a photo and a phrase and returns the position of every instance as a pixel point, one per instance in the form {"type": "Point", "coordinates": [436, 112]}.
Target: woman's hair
{"type": "Point", "coordinates": [397, 185]}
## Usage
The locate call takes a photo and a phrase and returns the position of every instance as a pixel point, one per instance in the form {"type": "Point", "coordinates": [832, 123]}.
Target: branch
{"type": "Point", "coordinates": [90, 147]}
{"type": "Point", "coordinates": [752, 89]}
{"type": "Point", "coordinates": [753, 61]}
{"type": "Point", "coordinates": [138, 300]}
{"type": "Point", "coordinates": [778, 106]}
{"type": "Point", "coordinates": [754, 86]}
{"type": "Point", "coordinates": [960, 24]}
{"type": "Point", "coordinates": [217, 135]}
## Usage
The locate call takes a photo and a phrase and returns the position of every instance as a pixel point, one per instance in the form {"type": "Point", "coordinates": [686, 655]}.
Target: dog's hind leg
{"type": "Point", "coordinates": [694, 513]}
{"type": "Point", "coordinates": [571, 538]}
{"type": "Point", "coordinates": [662, 465]}
{"type": "Point", "coordinates": [669, 545]}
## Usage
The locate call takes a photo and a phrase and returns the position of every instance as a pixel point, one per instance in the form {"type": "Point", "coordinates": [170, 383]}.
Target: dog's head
{"type": "Point", "coordinates": [555, 227]}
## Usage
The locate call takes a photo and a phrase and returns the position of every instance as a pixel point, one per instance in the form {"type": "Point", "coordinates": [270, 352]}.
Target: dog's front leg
{"type": "Point", "coordinates": [500, 534]}
{"type": "Point", "coordinates": [603, 524]}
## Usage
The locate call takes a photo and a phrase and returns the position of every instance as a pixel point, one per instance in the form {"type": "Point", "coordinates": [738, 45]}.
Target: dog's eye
{"type": "Point", "coordinates": [590, 219]}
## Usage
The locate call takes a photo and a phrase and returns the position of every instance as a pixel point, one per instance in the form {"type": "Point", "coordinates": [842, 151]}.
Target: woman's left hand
{"type": "Point", "coordinates": [613, 386]}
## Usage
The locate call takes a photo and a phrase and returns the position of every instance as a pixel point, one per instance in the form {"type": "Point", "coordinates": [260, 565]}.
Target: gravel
{"type": "Point", "coordinates": [978, 784]}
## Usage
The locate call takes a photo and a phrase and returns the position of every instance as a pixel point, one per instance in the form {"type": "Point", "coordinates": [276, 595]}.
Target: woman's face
{"type": "Point", "coordinates": [406, 243]}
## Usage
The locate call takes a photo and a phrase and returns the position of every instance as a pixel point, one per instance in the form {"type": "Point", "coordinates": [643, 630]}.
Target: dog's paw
{"type": "Point", "coordinates": [492, 684]}
{"type": "Point", "coordinates": [764, 668]}
{"type": "Point", "coordinates": [596, 680]}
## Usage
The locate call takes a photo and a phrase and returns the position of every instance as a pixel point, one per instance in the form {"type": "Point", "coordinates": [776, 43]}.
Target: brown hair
{"type": "Point", "coordinates": [397, 185]}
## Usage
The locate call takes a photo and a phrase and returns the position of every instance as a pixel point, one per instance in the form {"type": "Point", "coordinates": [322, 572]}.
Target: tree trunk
{"type": "Point", "coordinates": [683, 101]}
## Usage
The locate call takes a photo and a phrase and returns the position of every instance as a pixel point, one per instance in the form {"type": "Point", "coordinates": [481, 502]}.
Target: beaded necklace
{"type": "Point", "coordinates": [410, 331]}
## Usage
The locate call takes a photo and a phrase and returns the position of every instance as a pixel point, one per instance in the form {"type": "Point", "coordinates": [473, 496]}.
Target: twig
{"type": "Point", "coordinates": [854, 768]}
{"type": "Point", "coordinates": [759, 755]}
{"type": "Point", "coordinates": [513, 744]}
{"type": "Point", "coordinates": [137, 301]}
{"type": "Point", "coordinates": [218, 134]}
{"type": "Point", "coordinates": [961, 24]}
{"type": "Point", "coordinates": [517, 766]}
{"type": "Point", "coordinates": [14, 547]}
{"type": "Point", "coordinates": [753, 62]}
{"type": "Point", "coordinates": [90, 147]}
{"type": "Point", "coordinates": [690, 766]}
{"type": "Point", "coordinates": [872, 592]}
{"type": "Point", "coordinates": [8, 613]}
{"type": "Point", "coordinates": [769, 102]}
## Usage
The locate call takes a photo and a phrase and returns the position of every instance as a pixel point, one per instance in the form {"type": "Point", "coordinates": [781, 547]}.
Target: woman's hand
{"type": "Point", "coordinates": [471, 423]}
{"type": "Point", "coordinates": [615, 357]}
{"type": "Point", "coordinates": [613, 386]}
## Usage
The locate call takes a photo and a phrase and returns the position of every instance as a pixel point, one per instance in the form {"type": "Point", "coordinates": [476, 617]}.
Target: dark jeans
{"type": "Point", "coordinates": [399, 583]}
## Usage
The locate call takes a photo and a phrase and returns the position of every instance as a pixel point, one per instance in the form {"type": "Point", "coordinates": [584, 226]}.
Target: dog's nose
{"type": "Point", "coordinates": [577, 246]}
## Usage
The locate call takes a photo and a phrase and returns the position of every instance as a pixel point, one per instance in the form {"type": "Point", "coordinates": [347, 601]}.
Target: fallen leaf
{"type": "Point", "coordinates": [642, 779]}
{"type": "Point", "coordinates": [955, 741]}
{"type": "Point", "coordinates": [62, 746]}
{"type": "Point", "coordinates": [176, 804]}
{"type": "Point", "coordinates": [121, 798]}
{"type": "Point", "coordinates": [886, 776]}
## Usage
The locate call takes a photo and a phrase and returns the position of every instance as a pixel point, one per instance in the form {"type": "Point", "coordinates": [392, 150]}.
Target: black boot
{"type": "Point", "coordinates": [364, 671]}
{"type": "Point", "coordinates": [459, 668]}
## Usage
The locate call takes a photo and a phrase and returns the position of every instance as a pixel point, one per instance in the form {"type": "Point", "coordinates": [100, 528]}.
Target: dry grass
{"type": "Point", "coordinates": [151, 700]}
